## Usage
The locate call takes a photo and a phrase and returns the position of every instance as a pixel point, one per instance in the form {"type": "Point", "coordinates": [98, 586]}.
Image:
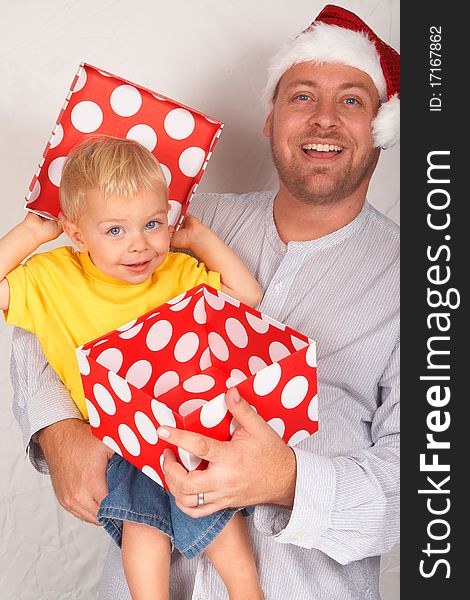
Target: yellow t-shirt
{"type": "Point", "coordinates": [66, 301]}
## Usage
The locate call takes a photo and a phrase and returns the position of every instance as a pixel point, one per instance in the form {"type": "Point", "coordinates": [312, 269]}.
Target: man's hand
{"type": "Point", "coordinates": [254, 467]}
{"type": "Point", "coordinates": [77, 462]}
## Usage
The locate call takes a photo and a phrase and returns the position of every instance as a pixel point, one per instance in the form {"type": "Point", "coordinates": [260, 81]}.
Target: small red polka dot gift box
{"type": "Point", "coordinates": [181, 138]}
{"type": "Point", "coordinates": [173, 365]}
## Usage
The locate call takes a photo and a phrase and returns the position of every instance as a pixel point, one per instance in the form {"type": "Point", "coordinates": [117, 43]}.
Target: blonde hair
{"type": "Point", "coordinates": [110, 165]}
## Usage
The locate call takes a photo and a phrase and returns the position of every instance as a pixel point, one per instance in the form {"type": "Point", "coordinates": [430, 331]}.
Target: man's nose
{"type": "Point", "coordinates": [324, 114]}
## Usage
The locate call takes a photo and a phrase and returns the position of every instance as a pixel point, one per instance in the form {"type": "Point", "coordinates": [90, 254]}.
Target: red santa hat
{"type": "Point", "coordinates": [339, 36]}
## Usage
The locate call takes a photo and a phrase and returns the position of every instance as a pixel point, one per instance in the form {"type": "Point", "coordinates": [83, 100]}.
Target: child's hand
{"type": "Point", "coordinates": [188, 233]}
{"type": "Point", "coordinates": [43, 230]}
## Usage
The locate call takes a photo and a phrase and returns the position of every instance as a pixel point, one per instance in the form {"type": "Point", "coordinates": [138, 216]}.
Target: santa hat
{"type": "Point", "coordinates": [339, 36]}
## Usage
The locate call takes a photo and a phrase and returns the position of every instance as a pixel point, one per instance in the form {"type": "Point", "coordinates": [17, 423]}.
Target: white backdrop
{"type": "Point", "coordinates": [210, 55]}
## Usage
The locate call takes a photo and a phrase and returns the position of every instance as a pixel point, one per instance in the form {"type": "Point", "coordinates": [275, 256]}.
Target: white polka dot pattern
{"type": "Point", "coordinates": [298, 437]}
{"type": "Point", "coordinates": [191, 161]}
{"type": "Point", "coordinates": [236, 377]}
{"type": "Point", "coordinates": [218, 346]}
{"type": "Point", "coordinates": [83, 364]}
{"type": "Point", "coordinates": [166, 382]}
{"type": "Point", "coordinates": [159, 335]}
{"type": "Point", "coordinates": [126, 100]}
{"type": "Point", "coordinates": [163, 414]}
{"type": "Point", "coordinates": [313, 409]}
{"type": "Point", "coordinates": [139, 373]}
{"type": "Point", "coordinates": [190, 462]}
{"type": "Point", "coordinates": [145, 427]}
{"type": "Point", "coordinates": [278, 425]}
{"type": "Point", "coordinates": [200, 312]}
{"type": "Point", "coordinates": [93, 414]}
{"type": "Point", "coordinates": [236, 332]}
{"type": "Point", "coordinates": [174, 371]}
{"type": "Point", "coordinates": [190, 406]}
{"type": "Point", "coordinates": [86, 117]}
{"type": "Point", "coordinates": [104, 399]}
{"type": "Point", "coordinates": [129, 439]}
{"type": "Point", "coordinates": [179, 123]}
{"type": "Point", "coordinates": [120, 387]}
{"type": "Point", "coordinates": [278, 351]}
{"type": "Point", "coordinates": [186, 347]}
{"type": "Point", "coordinates": [214, 411]}
{"type": "Point", "coordinates": [112, 444]}
{"type": "Point", "coordinates": [205, 361]}
{"type": "Point", "coordinates": [294, 391]}
{"type": "Point", "coordinates": [55, 170]}
{"type": "Point", "coordinates": [150, 472]}
{"type": "Point", "coordinates": [199, 383]}
{"type": "Point", "coordinates": [111, 358]}
{"type": "Point", "coordinates": [267, 379]}
{"type": "Point", "coordinates": [255, 364]}
{"type": "Point", "coordinates": [143, 134]}
{"type": "Point", "coordinates": [132, 332]}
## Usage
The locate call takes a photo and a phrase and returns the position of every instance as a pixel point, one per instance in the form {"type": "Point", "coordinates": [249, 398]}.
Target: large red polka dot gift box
{"type": "Point", "coordinates": [99, 103]}
{"type": "Point", "coordinates": [173, 365]}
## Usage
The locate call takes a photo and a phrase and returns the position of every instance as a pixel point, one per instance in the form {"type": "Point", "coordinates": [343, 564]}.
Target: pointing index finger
{"type": "Point", "coordinates": [199, 445]}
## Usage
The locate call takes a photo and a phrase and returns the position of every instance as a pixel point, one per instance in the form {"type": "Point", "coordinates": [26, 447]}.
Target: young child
{"type": "Point", "coordinates": [114, 202]}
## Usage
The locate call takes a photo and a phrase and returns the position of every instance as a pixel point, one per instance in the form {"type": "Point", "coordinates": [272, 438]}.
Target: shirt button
{"type": "Point", "coordinates": [300, 536]}
{"type": "Point", "coordinates": [278, 286]}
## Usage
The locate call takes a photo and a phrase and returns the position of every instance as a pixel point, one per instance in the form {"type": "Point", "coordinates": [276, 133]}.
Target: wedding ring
{"type": "Point", "coordinates": [200, 499]}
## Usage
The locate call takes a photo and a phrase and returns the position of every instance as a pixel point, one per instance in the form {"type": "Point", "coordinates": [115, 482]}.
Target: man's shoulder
{"type": "Point", "coordinates": [215, 202]}
{"type": "Point", "coordinates": [227, 214]}
{"type": "Point", "coordinates": [383, 225]}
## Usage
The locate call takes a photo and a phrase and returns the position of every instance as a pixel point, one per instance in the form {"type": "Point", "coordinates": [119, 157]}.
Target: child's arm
{"type": "Point", "coordinates": [20, 242]}
{"type": "Point", "coordinates": [236, 279]}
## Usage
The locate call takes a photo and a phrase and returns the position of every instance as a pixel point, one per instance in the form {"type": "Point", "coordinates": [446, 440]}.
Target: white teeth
{"type": "Point", "coordinates": [322, 147]}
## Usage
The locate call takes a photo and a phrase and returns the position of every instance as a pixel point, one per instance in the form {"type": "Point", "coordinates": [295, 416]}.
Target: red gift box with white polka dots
{"type": "Point", "coordinates": [181, 138]}
{"type": "Point", "coordinates": [173, 365]}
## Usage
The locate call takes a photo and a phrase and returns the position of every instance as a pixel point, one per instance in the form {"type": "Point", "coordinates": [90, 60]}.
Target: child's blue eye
{"type": "Point", "coordinates": [151, 225]}
{"type": "Point", "coordinates": [114, 231]}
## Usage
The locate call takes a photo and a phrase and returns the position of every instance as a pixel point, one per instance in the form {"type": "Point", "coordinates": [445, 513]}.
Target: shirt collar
{"type": "Point", "coordinates": [331, 239]}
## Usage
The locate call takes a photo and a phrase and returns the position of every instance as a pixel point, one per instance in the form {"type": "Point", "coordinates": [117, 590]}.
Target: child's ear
{"type": "Point", "coordinates": [73, 232]}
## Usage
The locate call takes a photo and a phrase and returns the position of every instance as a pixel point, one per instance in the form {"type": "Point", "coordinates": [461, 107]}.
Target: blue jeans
{"type": "Point", "coordinates": [132, 496]}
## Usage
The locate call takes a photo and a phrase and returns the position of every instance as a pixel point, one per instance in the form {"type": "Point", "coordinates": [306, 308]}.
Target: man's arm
{"type": "Point", "coordinates": [345, 506]}
{"type": "Point", "coordinates": [57, 439]}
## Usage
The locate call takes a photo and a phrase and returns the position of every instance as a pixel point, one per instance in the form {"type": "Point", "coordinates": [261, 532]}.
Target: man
{"type": "Point", "coordinates": [328, 264]}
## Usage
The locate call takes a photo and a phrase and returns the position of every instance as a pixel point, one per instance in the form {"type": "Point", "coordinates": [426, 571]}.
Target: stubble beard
{"type": "Point", "coordinates": [316, 185]}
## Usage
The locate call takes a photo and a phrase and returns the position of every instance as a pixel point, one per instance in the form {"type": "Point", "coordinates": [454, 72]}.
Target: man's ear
{"type": "Point", "coordinates": [267, 125]}
{"type": "Point", "coordinates": [73, 232]}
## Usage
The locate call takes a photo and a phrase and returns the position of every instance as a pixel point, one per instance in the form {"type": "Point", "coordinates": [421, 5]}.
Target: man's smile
{"type": "Point", "coordinates": [321, 150]}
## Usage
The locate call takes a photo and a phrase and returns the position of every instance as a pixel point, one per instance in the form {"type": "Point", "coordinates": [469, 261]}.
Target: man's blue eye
{"type": "Point", "coordinates": [351, 101]}
{"type": "Point", "coordinates": [302, 97]}
{"type": "Point", "coordinates": [151, 225]}
{"type": "Point", "coordinates": [114, 231]}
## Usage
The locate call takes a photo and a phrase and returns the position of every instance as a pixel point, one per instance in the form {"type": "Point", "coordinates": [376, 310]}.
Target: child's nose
{"type": "Point", "coordinates": [137, 243]}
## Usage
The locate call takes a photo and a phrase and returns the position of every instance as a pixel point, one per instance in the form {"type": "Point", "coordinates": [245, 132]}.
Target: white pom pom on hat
{"type": "Point", "coordinates": [338, 35]}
